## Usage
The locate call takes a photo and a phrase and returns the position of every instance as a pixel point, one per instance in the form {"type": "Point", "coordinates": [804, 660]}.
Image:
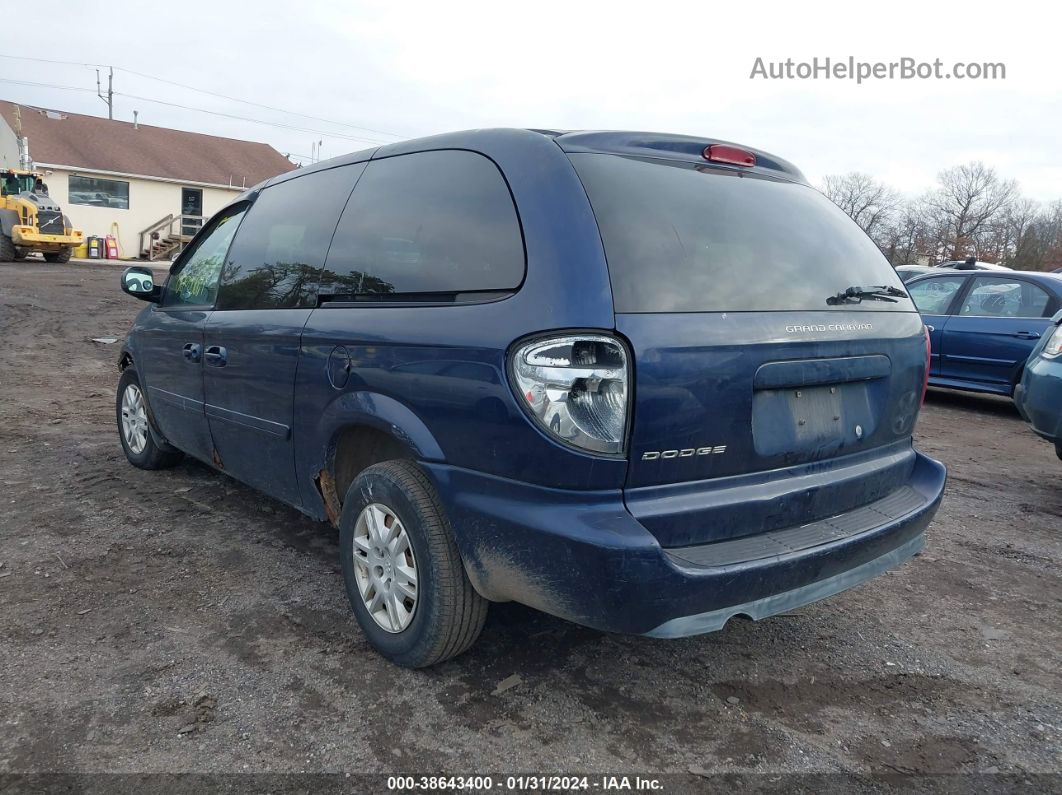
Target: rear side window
{"type": "Point", "coordinates": [681, 237]}
{"type": "Point", "coordinates": [934, 296]}
{"type": "Point", "coordinates": [276, 259]}
{"type": "Point", "coordinates": [427, 223]}
{"type": "Point", "coordinates": [1002, 298]}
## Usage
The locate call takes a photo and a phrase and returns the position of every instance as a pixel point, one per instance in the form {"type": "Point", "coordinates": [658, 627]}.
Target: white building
{"type": "Point", "coordinates": [124, 179]}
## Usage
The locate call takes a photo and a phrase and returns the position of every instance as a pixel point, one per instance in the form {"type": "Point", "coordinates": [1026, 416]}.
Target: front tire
{"type": "Point", "coordinates": [7, 249]}
{"type": "Point", "coordinates": [403, 574]}
{"type": "Point", "coordinates": [134, 427]}
{"type": "Point", "coordinates": [58, 256]}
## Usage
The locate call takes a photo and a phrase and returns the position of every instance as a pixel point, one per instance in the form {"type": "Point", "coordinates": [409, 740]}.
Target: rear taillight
{"type": "Point", "coordinates": [929, 361]}
{"type": "Point", "coordinates": [576, 387]}
{"type": "Point", "coordinates": [1053, 346]}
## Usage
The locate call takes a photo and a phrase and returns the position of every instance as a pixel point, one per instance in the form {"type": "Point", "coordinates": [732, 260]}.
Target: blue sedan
{"type": "Point", "coordinates": [1039, 395]}
{"type": "Point", "coordinates": [984, 324]}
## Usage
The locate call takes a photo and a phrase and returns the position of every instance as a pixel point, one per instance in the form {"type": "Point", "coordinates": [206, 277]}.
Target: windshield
{"type": "Point", "coordinates": [682, 237]}
{"type": "Point", "coordinates": [14, 184]}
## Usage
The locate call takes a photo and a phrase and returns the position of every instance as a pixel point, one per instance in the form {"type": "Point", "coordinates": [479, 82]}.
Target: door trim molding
{"type": "Point", "coordinates": [276, 429]}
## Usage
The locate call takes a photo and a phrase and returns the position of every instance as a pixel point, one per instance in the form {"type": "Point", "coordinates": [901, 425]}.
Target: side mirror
{"type": "Point", "coordinates": [140, 283]}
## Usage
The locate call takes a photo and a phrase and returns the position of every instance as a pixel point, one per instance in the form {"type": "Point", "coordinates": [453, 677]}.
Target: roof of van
{"type": "Point", "coordinates": [665, 145]}
{"type": "Point", "coordinates": [640, 144]}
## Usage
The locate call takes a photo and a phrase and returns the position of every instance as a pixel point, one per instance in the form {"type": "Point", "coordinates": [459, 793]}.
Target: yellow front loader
{"type": "Point", "coordinates": [31, 221]}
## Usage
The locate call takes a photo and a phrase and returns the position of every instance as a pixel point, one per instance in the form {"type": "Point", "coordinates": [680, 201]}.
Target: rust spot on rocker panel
{"type": "Point", "coordinates": [326, 485]}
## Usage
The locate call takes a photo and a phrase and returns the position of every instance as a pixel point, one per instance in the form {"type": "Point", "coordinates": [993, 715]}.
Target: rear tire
{"type": "Point", "coordinates": [7, 249]}
{"type": "Point", "coordinates": [58, 256]}
{"type": "Point", "coordinates": [1058, 450]}
{"type": "Point", "coordinates": [394, 534]}
{"type": "Point", "coordinates": [134, 427]}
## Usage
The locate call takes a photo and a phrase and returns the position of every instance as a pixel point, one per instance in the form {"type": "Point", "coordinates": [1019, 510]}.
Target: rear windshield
{"type": "Point", "coordinates": [681, 237]}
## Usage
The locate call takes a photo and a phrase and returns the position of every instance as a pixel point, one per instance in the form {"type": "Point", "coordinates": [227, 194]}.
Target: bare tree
{"type": "Point", "coordinates": [1017, 219]}
{"type": "Point", "coordinates": [1039, 246]}
{"type": "Point", "coordinates": [973, 211]}
{"type": "Point", "coordinates": [909, 238]}
{"type": "Point", "coordinates": [969, 200]}
{"type": "Point", "coordinates": [869, 203]}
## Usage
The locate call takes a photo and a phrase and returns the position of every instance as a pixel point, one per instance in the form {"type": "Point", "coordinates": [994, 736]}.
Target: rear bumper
{"type": "Point", "coordinates": [713, 620]}
{"type": "Point", "coordinates": [583, 557]}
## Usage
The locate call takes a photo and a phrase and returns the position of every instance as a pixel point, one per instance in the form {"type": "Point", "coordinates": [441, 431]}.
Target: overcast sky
{"type": "Point", "coordinates": [404, 69]}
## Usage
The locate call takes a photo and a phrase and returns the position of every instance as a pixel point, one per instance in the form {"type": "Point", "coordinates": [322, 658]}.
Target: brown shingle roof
{"type": "Point", "coordinates": [89, 142]}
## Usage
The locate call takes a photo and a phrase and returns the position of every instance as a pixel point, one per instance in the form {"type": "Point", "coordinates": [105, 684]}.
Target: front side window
{"type": "Point", "coordinates": [276, 259]}
{"type": "Point", "coordinates": [95, 192]}
{"type": "Point", "coordinates": [194, 281]}
{"type": "Point", "coordinates": [934, 296]}
{"type": "Point", "coordinates": [427, 223]}
{"type": "Point", "coordinates": [999, 298]}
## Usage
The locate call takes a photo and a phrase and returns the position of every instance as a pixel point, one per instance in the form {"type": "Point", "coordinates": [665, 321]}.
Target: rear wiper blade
{"type": "Point", "coordinates": [876, 292]}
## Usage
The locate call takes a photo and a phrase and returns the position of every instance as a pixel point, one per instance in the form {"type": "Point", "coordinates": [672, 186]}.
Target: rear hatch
{"type": "Point", "coordinates": [758, 403]}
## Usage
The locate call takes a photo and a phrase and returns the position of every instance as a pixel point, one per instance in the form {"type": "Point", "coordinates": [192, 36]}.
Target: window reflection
{"type": "Point", "coordinates": [195, 283]}
{"type": "Point", "coordinates": [276, 260]}
{"type": "Point", "coordinates": [430, 222]}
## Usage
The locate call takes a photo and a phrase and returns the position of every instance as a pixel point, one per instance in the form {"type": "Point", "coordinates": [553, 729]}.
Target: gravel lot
{"type": "Point", "coordinates": [178, 621]}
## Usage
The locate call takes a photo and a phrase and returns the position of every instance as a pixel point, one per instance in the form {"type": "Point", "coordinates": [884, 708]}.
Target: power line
{"type": "Point", "coordinates": [204, 91]}
{"type": "Point", "coordinates": [49, 60]}
{"type": "Point", "coordinates": [325, 133]}
{"type": "Point", "coordinates": [44, 85]}
{"type": "Point", "coordinates": [259, 104]}
{"type": "Point", "coordinates": [256, 121]}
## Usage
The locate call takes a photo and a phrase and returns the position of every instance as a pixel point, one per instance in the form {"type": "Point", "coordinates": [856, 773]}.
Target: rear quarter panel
{"type": "Point", "coordinates": [473, 423]}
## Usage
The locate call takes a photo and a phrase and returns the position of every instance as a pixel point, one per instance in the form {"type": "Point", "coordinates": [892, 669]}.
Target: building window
{"type": "Point", "coordinates": [99, 192]}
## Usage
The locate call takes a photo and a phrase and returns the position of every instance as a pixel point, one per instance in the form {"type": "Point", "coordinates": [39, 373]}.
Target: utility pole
{"type": "Point", "coordinates": [109, 99]}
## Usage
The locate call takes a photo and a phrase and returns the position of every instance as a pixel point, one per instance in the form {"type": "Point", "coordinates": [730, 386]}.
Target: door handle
{"type": "Point", "coordinates": [1027, 335]}
{"type": "Point", "coordinates": [216, 356]}
{"type": "Point", "coordinates": [193, 351]}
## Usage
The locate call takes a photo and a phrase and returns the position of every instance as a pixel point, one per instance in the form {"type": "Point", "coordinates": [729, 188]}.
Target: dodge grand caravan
{"type": "Point", "coordinates": [642, 382]}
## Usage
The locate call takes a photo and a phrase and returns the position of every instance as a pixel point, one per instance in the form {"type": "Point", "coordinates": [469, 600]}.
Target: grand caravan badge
{"type": "Point", "coordinates": [811, 328]}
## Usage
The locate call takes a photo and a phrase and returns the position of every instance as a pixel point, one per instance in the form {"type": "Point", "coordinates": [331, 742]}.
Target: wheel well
{"type": "Point", "coordinates": [1017, 379]}
{"type": "Point", "coordinates": [355, 449]}
{"type": "Point", "coordinates": [124, 362]}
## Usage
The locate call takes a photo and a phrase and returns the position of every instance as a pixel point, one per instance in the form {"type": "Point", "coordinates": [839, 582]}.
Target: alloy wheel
{"type": "Point", "coordinates": [385, 568]}
{"type": "Point", "coordinates": [134, 419]}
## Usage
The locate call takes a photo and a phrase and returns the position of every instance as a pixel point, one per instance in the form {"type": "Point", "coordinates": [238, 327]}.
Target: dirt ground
{"type": "Point", "coordinates": [176, 621]}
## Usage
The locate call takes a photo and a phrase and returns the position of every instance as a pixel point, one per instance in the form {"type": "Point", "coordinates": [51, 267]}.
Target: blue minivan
{"type": "Point", "coordinates": [642, 382]}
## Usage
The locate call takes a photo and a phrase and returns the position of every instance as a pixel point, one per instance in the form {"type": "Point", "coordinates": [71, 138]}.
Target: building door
{"type": "Point", "coordinates": [191, 210]}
